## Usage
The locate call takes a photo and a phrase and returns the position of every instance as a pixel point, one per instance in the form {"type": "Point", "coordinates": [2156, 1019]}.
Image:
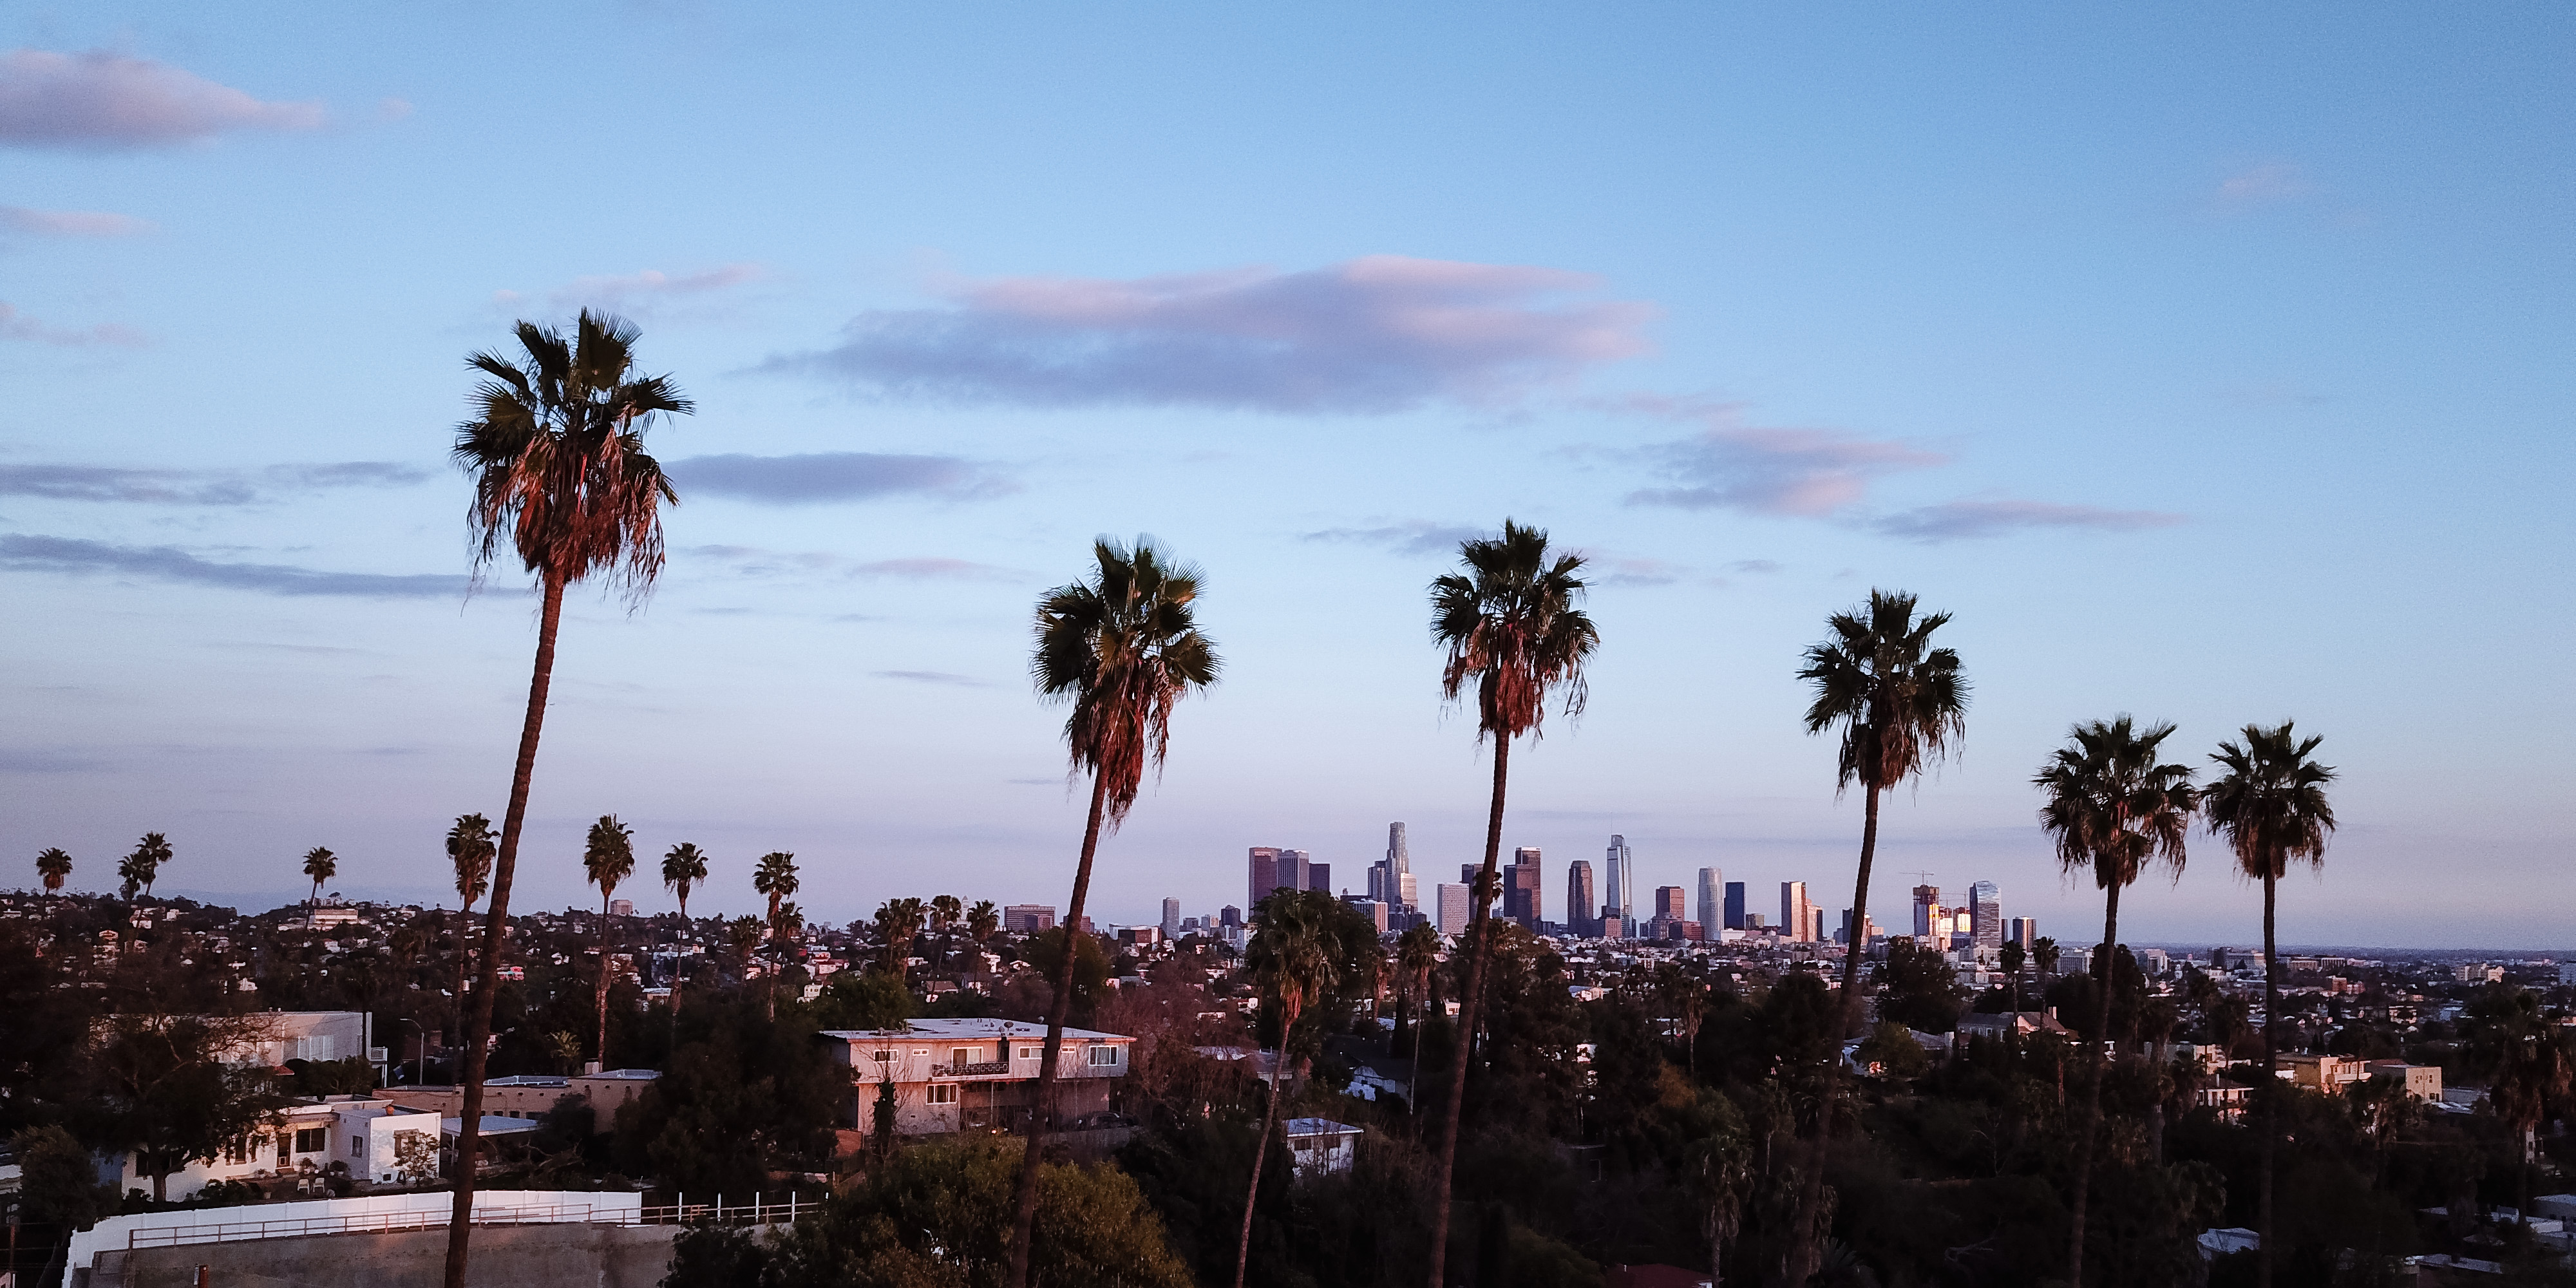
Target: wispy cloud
{"type": "Point", "coordinates": [1407, 537]}
{"type": "Point", "coordinates": [1966, 520]}
{"type": "Point", "coordinates": [837, 476]}
{"type": "Point", "coordinates": [169, 563]}
{"type": "Point", "coordinates": [1632, 571]}
{"type": "Point", "coordinates": [15, 325]}
{"type": "Point", "coordinates": [933, 677]}
{"type": "Point", "coordinates": [71, 223]}
{"type": "Point", "coordinates": [199, 487]}
{"type": "Point", "coordinates": [640, 292]}
{"type": "Point", "coordinates": [2267, 184]}
{"type": "Point", "coordinates": [1811, 473]}
{"type": "Point", "coordinates": [104, 100]}
{"type": "Point", "coordinates": [752, 561]}
{"type": "Point", "coordinates": [1376, 334]}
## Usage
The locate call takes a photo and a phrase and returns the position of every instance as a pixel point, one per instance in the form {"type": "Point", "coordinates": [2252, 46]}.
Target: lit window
{"type": "Point", "coordinates": [942, 1093]}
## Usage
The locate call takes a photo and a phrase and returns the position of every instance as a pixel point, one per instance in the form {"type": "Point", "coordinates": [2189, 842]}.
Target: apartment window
{"type": "Point", "coordinates": [1101, 1055]}
{"type": "Point", "coordinates": [942, 1093]}
{"type": "Point", "coordinates": [884, 1057]}
{"type": "Point", "coordinates": [311, 1140]}
{"type": "Point", "coordinates": [1031, 1053]}
{"type": "Point", "coordinates": [960, 1057]}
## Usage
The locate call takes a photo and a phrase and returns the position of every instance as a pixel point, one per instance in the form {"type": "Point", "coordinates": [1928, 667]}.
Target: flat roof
{"type": "Point", "coordinates": [1320, 1127]}
{"type": "Point", "coordinates": [956, 1030]}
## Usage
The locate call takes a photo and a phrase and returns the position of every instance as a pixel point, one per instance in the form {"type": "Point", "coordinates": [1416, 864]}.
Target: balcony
{"type": "Point", "coordinates": [983, 1069]}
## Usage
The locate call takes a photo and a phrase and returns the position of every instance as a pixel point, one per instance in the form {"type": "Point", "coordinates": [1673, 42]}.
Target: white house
{"type": "Point", "coordinates": [959, 1075]}
{"type": "Point", "coordinates": [1322, 1147]}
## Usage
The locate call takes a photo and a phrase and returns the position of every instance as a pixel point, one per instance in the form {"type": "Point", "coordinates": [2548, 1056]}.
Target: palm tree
{"type": "Point", "coordinates": [1900, 704]}
{"type": "Point", "coordinates": [2111, 810]}
{"type": "Point", "coordinates": [898, 923]}
{"type": "Point", "coordinates": [1719, 1176]}
{"type": "Point", "coordinates": [2014, 958]}
{"type": "Point", "coordinates": [2270, 805]}
{"type": "Point", "coordinates": [1417, 954]}
{"type": "Point", "coordinates": [682, 868]}
{"type": "Point", "coordinates": [944, 912]}
{"type": "Point", "coordinates": [141, 868]}
{"type": "Point", "coordinates": [774, 876]}
{"type": "Point", "coordinates": [608, 858]}
{"type": "Point", "coordinates": [2529, 1063]}
{"type": "Point", "coordinates": [1122, 648]}
{"type": "Point", "coordinates": [2043, 954]}
{"type": "Point", "coordinates": [982, 921]}
{"type": "Point", "coordinates": [1290, 958]}
{"type": "Point", "coordinates": [54, 866]}
{"type": "Point", "coordinates": [470, 846]}
{"type": "Point", "coordinates": [1511, 632]}
{"type": "Point", "coordinates": [321, 865]}
{"type": "Point", "coordinates": [556, 450]}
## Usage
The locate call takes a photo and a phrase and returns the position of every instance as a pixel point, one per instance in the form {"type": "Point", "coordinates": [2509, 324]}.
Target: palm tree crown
{"type": "Point", "coordinates": [469, 846]}
{"type": "Point", "coordinates": [2270, 803]}
{"type": "Point", "coordinates": [557, 454]}
{"type": "Point", "coordinates": [1510, 627]}
{"type": "Point", "coordinates": [685, 866]}
{"type": "Point", "coordinates": [321, 865]}
{"type": "Point", "coordinates": [1900, 702]}
{"type": "Point", "coordinates": [55, 866]}
{"type": "Point", "coordinates": [141, 868]}
{"type": "Point", "coordinates": [1124, 648]}
{"type": "Point", "coordinates": [775, 876]}
{"type": "Point", "coordinates": [2110, 807]}
{"type": "Point", "coordinates": [609, 856]}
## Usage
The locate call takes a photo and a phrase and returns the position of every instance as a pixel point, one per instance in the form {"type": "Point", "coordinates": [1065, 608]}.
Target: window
{"type": "Point", "coordinates": [357, 1147]}
{"type": "Point", "coordinates": [1101, 1055]}
{"type": "Point", "coordinates": [884, 1057]}
{"type": "Point", "coordinates": [960, 1057]}
{"type": "Point", "coordinates": [311, 1140]}
{"type": "Point", "coordinates": [942, 1093]}
{"type": "Point", "coordinates": [1031, 1053]}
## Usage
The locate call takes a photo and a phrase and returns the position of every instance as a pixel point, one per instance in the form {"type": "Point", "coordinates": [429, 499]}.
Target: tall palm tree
{"type": "Point", "coordinates": [685, 866]}
{"type": "Point", "coordinates": [54, 866]}
{"type": "Point", "coordinates": [2014, 958]}
{"type": "Point", "coordinates": [470, 846]}
{"type": "Point", "coordinates": [2269, 804]}
{"type": "Point", "coordinates": [2111, 810]}
{"type": "Point", "coordinates": [141, 868]}
{"type": "Point", "coordinates": [1121, 647]}
{"type": "Point", "coordinates": [321, 865]}
{"type": "Point", "coordinates": [1511, 633]}
{"type": "Point", "coordinates": [1900, 703]}
{"type": "Point", "coordinates": [556, 450]}
{"type": "Point", "coordinates": [775, 876]}
{"type": "Point", "coordinates": [607, 858]}
{"type": "Point", "coordinates": [1417, 954]}
{"type": "Point", "coordinates": [944, 912]}
{"type": "Point", "coordinates": [898, 923]}
{"type": "Point", "coordinates": [1291, 959]}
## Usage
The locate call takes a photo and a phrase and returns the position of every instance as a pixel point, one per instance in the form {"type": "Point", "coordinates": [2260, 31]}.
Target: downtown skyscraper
{"type": "Point", "coordinates": [1618, 896]}
{"type": "Point", "coordinates": [1578, 898]}
{"type": "Point", "coordinates": [1712, 901]}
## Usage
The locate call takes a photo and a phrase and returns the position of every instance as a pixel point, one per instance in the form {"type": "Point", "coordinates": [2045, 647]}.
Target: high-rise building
{"type": "Point", "coordinates": [1319, 876]}
{"type": "Point", "coordinates": [1264, 875]}
{"type": "Point", "coordinates": [1735, 906]}
{"type": "Point", "coordinates": [1797, 913]}
{"type": "Point", "coordinates": [1815, 924]}
{"type": "Point", "coordinates": [1578, 897]}
{"type": "Point", "coordinates": [1292, 869]}
{"type": "Point", "coordinates": [2023, 931]}
{"type": "Point", "coordinates": [1171, 919]}
{"type": "Point", "coordinates": [1522, 887]}
{"type": "Point", "coordinates": [1672, 903]}
{"type": "Point", "coordinates": [1619, 895]}
{"type": "Point", "coordinates": [1712, 901]}
{"type": "Point", "coordinates": [1454, 909]}
{"type": "Point", "coordinates": [1390, 879]}
{"type": "Point", "coordinates": [1369, 908]}
{"type": "Point", "coordinates": [1927, 912]}
{"type": "Point", "coordinates": [1986, 902]}
{"type": "Point", "coordinates": [1029, 918]}
{"type": "Point", "coordinates": [1232, 916]}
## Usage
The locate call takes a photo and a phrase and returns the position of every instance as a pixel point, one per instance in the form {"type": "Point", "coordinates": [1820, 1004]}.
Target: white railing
{"type": "Point", "coordinates": [759, 1211]}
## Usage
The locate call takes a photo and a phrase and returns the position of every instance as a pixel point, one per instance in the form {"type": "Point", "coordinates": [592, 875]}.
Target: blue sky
{"type": "Point", "coordinates": [2209, 365]}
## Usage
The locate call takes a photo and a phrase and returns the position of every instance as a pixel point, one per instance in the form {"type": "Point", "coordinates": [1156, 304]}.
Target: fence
{"type": "Point", "coordinates": [760, 1211]}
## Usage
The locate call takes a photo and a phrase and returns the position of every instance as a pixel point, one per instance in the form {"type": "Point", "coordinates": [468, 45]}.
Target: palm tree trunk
{"type": "Point", "coordinates": [1261, 1148]}
{"type": "Point", "coordinates": [2093, 1085]}
{"type": "Point", "coordinates": [1477, 951]}
{"type": "Point", "coordinates": [1024, 1199]}
{"type": "Point", "coordinates": [1806, 1242]}
{"type": "Point", "coordinates": [2271, 1111]}
{"type": "Point", "coordinates": [679, 960]}
{"type": "Point", "coordinates": [603, 978]}
{"type": "Point", "coordinates": [496, 926]}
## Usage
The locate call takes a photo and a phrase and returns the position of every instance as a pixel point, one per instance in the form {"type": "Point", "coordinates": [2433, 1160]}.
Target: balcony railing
{"type": "Point", "coordinates": [982, 1069]}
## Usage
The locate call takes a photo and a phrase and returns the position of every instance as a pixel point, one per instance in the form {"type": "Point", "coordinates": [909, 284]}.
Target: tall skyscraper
{"type": "Point", "coordinates": [1620, 871]}
{"type": "Point", "coordinates": [2023, 931]}
{"type": "Point", "coordinates": [1986, 901]}
{"type": "Point", "coordinates": [1396, 858]}
{"type": "Point", "coordinates": [1319, 876]}
{"type": "Point", "coordinates": [1670, 903]}
{"type": "Point", "coordinates": [1265, 874]}
{"type": "Point", "coordinates": [1390, 879]}
{"type": "Point", "coordinates": [1927, 912]}
{"type": "Point", "coordinates": [1522, 887]}
{"type": "Point", "coordinates": [1735, 906]}
{"type": "Point", "coordinates": [1171, 919]}
{"type": "Point", "coordinates": [1578, 897]}
{"type": "Point", "coordinates": [1292, 869]}
{"type": "Point", "coordinates": [1454, 909]}
{"type": "Point", "coordinates": [1797, 913]}
{"type": "Point", "coordinates": [1712, 901]}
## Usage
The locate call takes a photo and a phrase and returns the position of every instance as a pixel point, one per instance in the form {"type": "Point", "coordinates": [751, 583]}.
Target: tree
{"type": "Point", "coordinates": [898, 923]}
{"type": "Point", "coordinates": [58, 1180]}
{"type": "Point", "coordinates": [1122, 648]}
{"type": "Point", "coordinates": [168, 1092]}
{"type": "Point", "coordinates": [944, 913]}
{"type": "Point", "coordinates": [320, 865]}
{"type": "Point", "coordinates": [685, 866]}
{"type": "Point", "coordinates": [54, 866]}
{"type": "Point", "coordinates": [2528, 1061]}
{"type": "Point", "coordinates": [1900, 703]}
{"type": "Point", "coordinates": [470, 846]}
{"type": "Point", "coordinates": [2111, 810]}
{"type": "Point", "coordinates": [1417, 955]}
{"type": "Point", "coordinates": [141, 868]}
{"type": "Point", "coordinates": [775, 877]}
{"type": "Point", "coordinates": [982, 922]}
{"type": "Point", "coordinates": [1291, 959]}
{"type": "Point", "coordinates": [2269, 804]}
{"type": "Point", "coordinates": [1917, 987]}
{"type": "Point", "coordinates": [1510, 631]}
{"type": "Point", "coordinates": [2014, 958]}
{"type": "Point", "coordinates": [606, 859]}
{"type": "Point", "coordinates": [556, 451]}
{"type": "Point", "coordinates": [1717, 1171]}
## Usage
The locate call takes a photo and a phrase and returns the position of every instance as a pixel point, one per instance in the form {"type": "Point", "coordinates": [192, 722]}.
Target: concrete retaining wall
{"type": "Point", "coordinates": [505, 1256]}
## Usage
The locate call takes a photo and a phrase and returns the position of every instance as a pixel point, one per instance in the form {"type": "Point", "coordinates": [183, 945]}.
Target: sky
{"type": "Point", "coordinates": [2208, 363]}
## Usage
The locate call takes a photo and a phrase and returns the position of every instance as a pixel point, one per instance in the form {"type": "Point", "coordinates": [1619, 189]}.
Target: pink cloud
{"type": "Point", "coordinates": [1379, 333]}
{"type": "Point", "coordinates": [631, 292]}
{"type": "Point", "coordinates": [18, 326]}
{"type": "Point", "coordinates": [1803, 472]}
{"type": "Point", "coordinates": [99, 99]}
{"type": "Point", "coordinates": [1961, 520]}
{"type": "Point", "coordinates": [71, 223]}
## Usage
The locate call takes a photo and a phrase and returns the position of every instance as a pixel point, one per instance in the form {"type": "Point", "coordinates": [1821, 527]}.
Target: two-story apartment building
{"type": "Point", "coordinates": [962, 1075]}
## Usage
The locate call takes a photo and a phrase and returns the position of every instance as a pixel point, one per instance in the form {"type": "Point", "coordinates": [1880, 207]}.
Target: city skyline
{"type": "Point", "coordinates": [1757, 310]}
